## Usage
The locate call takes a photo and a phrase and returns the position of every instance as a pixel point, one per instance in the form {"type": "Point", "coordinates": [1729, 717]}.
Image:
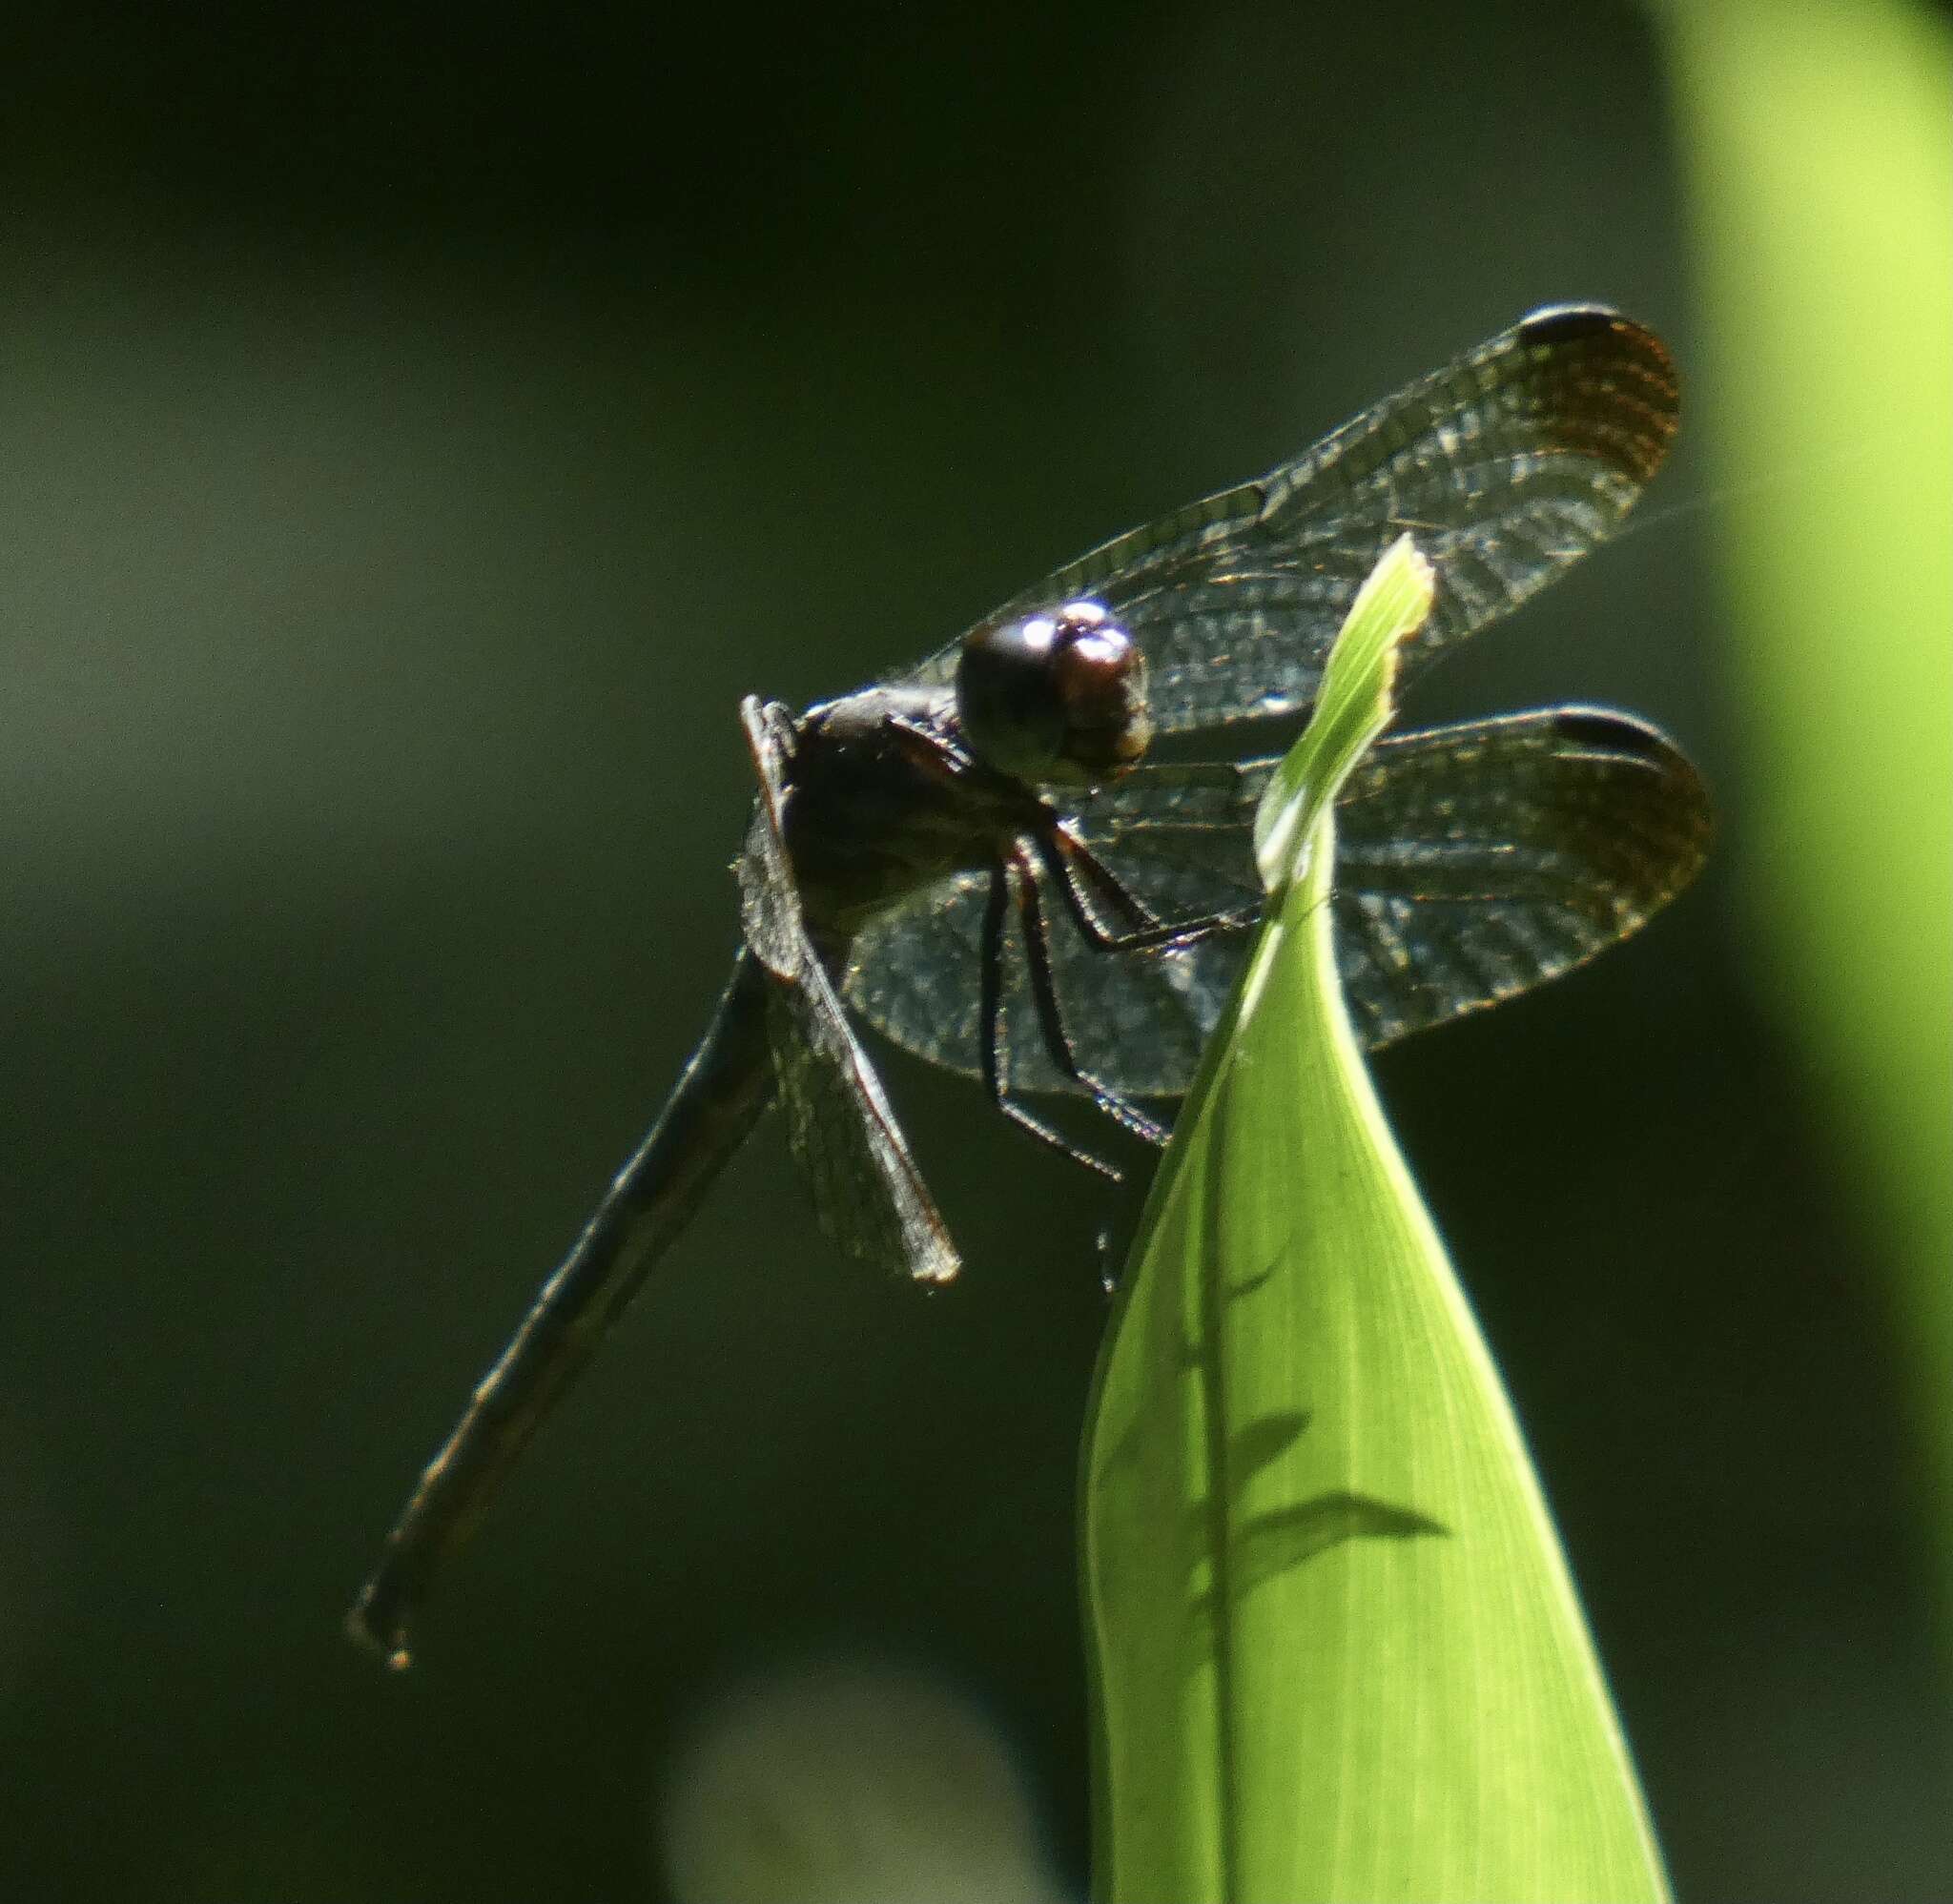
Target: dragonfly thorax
{"type": "Point", "coordinates": [883, 796]}
{"type": "Point", "coordinates": [1058, 697]}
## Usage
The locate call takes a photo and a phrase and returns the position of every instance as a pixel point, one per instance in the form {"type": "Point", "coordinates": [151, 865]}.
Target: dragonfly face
{"type": "Point", "coordinates": [978, 859]}
{"type": "Point", "coordinates": [1058, 697]}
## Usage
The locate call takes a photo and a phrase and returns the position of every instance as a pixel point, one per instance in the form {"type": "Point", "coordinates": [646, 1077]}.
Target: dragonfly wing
{"type": "Point", "coordinates": [1509, 464]}
{"type": "Point", "coordinates": [1473, 862]}
{"type": "Point", "coordinates": [1476, 861]}
{"type": "Point", "coordinates": [915, 971]}
{"type": "Point", "coordinates": [868, 1194]}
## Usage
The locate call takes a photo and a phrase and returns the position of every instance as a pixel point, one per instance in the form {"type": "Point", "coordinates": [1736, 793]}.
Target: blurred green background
{"type": "Point", "coordinates": [418, 425]}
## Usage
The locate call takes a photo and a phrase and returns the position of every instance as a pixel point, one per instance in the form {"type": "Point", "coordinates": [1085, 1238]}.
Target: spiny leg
{"type": "Point", "coordinates": [1072, 866]}
{"type": "Point", "coordinates": [990, 1023]}
{"type": "Point", "coordinates": [1022, 876]}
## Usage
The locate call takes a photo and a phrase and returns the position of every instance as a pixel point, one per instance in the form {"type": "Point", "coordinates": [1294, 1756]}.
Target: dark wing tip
{"type": "Point", "coordinates": [1619, 380]}
{"type": "Point", "coordinates": [1602, 730]}
{"type": "Point", "coordinates": [1570, 323]}
{"type": "Point", "coordinates": [1686, 816]}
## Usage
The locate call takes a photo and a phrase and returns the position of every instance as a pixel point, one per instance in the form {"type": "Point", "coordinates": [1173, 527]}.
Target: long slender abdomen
{"type": "Point", "coordinates": [715, 1103]}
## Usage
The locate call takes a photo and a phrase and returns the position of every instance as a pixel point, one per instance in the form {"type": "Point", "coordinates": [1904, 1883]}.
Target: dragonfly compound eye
{"type": "Point", "coordinates": [1056, 697]}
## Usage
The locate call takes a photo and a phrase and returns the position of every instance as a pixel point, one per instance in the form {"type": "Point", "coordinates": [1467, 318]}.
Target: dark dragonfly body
{"type": "Point", "coordinates": [981, 859]}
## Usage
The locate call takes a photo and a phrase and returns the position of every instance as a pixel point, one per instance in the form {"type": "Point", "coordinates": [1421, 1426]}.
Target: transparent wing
{"type": "Point", "coordinates": [1509, 464]}
{"type": "Point", "coordinates": [868, 1194]}
{"type": "Point", "coordinates": [1476, 861]}
{"type": "Point", "coordinates": [915, 973]}
{"type": "Point", "coordinates": [1473, 862]}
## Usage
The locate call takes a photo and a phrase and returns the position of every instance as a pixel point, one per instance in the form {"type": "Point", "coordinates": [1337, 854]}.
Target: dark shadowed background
{"type": "Point", "coordinates": [418, 425]}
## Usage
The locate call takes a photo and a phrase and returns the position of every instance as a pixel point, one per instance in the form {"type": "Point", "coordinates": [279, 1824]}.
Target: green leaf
{"type": "Point", "coordinates": [1353, 709]}
{"type": "Point", "coordinates": [1336, 1651]}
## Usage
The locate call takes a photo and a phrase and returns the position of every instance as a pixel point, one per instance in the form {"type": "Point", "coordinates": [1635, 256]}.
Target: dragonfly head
{"type": "Point", "coordinates": [1058, 697]}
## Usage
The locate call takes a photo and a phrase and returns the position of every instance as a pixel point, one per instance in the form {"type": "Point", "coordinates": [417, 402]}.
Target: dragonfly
{"type": "Point", "coordinates": [992, 861]}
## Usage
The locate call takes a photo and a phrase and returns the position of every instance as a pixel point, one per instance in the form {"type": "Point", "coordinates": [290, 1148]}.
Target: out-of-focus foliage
{"type": "Point", "coordinates": [850, 1783]}
{"type": "Point", "coordinates": [1819, 144]}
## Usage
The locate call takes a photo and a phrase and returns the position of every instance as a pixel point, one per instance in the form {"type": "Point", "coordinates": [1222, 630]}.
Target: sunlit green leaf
{"type": "Point", "coordinates": [1337, 1654]}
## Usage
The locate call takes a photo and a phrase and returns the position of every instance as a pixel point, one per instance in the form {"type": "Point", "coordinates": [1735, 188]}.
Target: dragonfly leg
{"type": "Point", "coordinates": [995, 1065]}
{"type": "Point", "coordinates": [1075, 868]}
{"type": "Point", "coordinates": [1018, 872]}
